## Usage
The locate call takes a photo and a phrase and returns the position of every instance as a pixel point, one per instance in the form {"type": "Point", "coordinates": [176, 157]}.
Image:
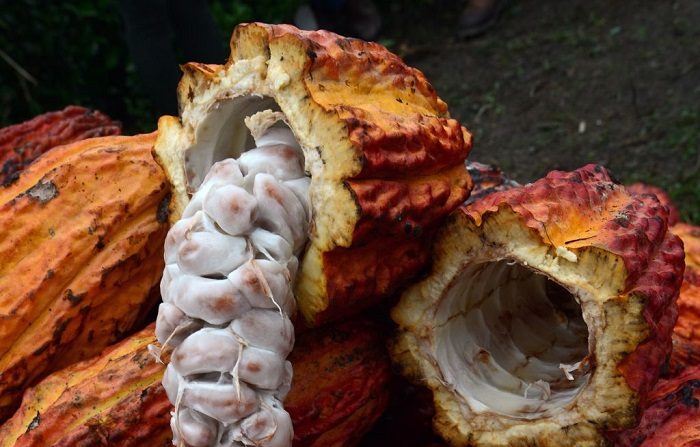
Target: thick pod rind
{"type": "Point", "coordinates": [21, 143]}
{"type": "Point", "coordinates": [564, 292]}
{"type": "Point", "coordinates": [115, 399]}
{"type": "Point", "coordinates": [385, 159]}
{"type": "Point", "coordinates": [81, 248]}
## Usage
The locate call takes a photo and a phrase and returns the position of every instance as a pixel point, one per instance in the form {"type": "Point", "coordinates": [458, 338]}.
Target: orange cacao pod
{"type": "Point", "coordinates": [340, 386]}
{"type": "Point", "coordinates": [686, 333]}
{"type": "Point", "coordinates": [82, 243]}
{"type": "Point", "coordinates": [548, 316]}
{"type": "Point", "coordinates": [21, 143]}
{"type": "Point", "coordinates": [116, 399]}
{"type": "Point", "coordinates": [384, 157]}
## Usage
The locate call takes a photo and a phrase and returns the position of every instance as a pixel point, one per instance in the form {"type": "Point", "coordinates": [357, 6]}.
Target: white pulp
{"type": "Point", "coordinates": [227, 296]}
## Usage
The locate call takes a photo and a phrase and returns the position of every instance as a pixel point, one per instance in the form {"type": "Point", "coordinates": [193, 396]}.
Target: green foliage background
{"type": "Point", "coordinates": [74, 53]}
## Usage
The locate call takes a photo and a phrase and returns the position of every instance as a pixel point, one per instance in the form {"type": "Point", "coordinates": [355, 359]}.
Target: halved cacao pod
{"type": "Point", "coordinates": [21, 143]}
{"type": "Point", "coordinates": [385, 159]}
{"type": "Point", "coordinates": [548, 314]}
{"type": "Point", "coordinates": [82, 248]}
{"type": "Point", "coordinates": [671, 416]}
{"type": "Point", "coordinates": [117, 399]}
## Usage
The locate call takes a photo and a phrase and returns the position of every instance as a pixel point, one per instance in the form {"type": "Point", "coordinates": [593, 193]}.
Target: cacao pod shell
{"type": "Point", "coordinates": [21, 143]}
{"type": "Point", "coordinates": [386, 161]}
{"type": "Point", "coordinates": [82, 243]}
{"type": "Point", "coordinates": [573, 251]}
{"type": "Point", "coordinates": [116, 399]}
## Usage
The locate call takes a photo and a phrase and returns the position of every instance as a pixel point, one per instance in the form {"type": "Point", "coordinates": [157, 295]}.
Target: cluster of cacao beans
{"type": "Point", "coordinates": [89, 250]}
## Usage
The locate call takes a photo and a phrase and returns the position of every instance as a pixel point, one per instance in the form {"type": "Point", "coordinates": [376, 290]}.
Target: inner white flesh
{"type": "Point", "coordinates": [227, 287]}
{"type": "Point", "coordinates": [512, 341]}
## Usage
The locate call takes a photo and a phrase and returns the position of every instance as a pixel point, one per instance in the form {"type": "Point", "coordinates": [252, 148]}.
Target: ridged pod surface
{"type": "Point", "coordinates": [548, 315]}
{"type": "Point", "coordinates": [81, 247]}
{"type": "Point", "coordinates": [117, 399]}
{"type": "Point", "coordinates": [385, 159]}
{"type": "Point", "coordinates": [670, 417]}
{"type": "Point", "coordinates": [341, 384]}
{"type": "Point", "coordinates": [21, 143]}
{"type": "Point", "coordinates": [662, 195]}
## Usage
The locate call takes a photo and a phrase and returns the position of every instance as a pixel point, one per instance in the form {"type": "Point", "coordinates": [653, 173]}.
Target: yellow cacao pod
{"type": "Point", "coordinates": [82, 235]}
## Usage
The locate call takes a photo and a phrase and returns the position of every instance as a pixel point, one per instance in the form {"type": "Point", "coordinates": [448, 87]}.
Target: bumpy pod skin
{"type": "Point", "coordinates": [81, 243]}
{"type": "Point", "coordinates": [579, 266]}
{"type": "Point", "coordinates": [340, 387]}
{"type": "Point", "coordinates": [662, 195]}
{"type": "Point", "coordinates": [670, 417]}
{"type": "Point", "coordinates": [385, 159]}
{"type": "Point", "coordinates": [21, 143]}
{"type": "Point", "coordinates": [117, 399]}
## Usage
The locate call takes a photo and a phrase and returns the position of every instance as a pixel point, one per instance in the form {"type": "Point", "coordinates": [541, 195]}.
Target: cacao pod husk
{"type": "Point", "coordinates": [548, 316]}
{"type": "Point", "coordinates": [116, 399]}
{"type": "Point", "coordinates": [386, 161]}
{"type": "Point", "coordinates": [21, 143]}
{"type": "Point", "coordinates": [82, 249]}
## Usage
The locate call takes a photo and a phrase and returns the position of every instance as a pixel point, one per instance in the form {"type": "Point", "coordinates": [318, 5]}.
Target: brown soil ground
{"type": "Point", "coordinates": [559, 84]}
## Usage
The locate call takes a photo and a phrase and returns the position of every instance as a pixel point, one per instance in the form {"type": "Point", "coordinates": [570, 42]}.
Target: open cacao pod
{"type": "Point", "coordinates": [384, 158]}
{"type": "Point", "coordinates": [309, 166]}
{"type": "Point", "coordinates": [548, 315]}
{"type": "Point", "coordinates": [117, 399]}
{"type": "Point", "coordinates": [21, 143]}
{"type": "Point", "coordinates": [82, 242]}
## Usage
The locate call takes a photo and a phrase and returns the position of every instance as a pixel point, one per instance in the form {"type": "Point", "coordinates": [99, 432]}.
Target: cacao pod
{"type": "Point", "coordinates": [690, 235]}
{"type": "Point", "coordinates": [385, 159]}
{"type": "Point", "coordinates": [670, 417]}
{"type": "Point", "coordinates": [117, 399]}
{"type": "Point", "coordinates": [686, 333]}
{"type": "Point", "coordinates": [548, 314]}
{"type": "Point", "coordinates": [21, 143]}
{"type": "Point", "coordinates": [82, 243]}
{"type": "Point", "coordinates": [341, 384]}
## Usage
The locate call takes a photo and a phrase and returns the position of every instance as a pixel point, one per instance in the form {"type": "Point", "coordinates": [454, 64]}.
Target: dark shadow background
{"type": "Point", "coordinates": [556, 84]}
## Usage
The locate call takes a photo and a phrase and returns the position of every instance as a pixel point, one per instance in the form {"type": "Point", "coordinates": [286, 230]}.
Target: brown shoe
{"type": "Point", "coordinates": [479, 16]}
